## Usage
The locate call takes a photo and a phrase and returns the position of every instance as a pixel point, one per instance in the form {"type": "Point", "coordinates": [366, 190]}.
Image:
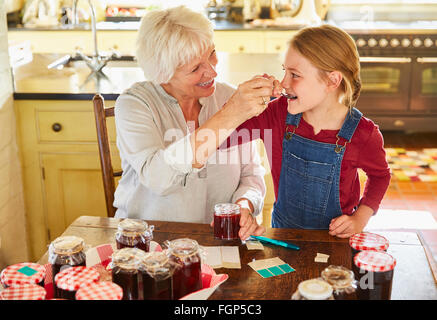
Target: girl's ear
{"type": "Point", "coordinates": [334, 79]}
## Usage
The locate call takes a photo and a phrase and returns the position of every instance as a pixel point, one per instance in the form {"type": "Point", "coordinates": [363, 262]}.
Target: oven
{"type": "Point", "coordinates": [399, 79]}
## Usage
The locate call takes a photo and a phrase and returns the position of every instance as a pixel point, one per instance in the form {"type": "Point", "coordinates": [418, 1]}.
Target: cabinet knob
{"type": "Point", "coordinates": [56, 127]}
{"type": "Point", "coordinates": [278, 47]}
{"type": "Point", "coordinates": [241, 48]}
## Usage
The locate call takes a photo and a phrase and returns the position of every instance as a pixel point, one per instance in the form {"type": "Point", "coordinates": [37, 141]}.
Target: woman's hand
{"type": "Point", "coordinates": [346, 226]}
{"type": "Point", "coordinates": [248, 225]}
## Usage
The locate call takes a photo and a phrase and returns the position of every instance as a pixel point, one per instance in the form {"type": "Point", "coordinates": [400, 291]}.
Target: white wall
{"type": "Point", "coordinates": [13, 237]}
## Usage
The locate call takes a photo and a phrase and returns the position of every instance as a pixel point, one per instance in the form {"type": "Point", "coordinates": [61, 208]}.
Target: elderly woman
{"type": "Point", "coordinates": [169, 128]}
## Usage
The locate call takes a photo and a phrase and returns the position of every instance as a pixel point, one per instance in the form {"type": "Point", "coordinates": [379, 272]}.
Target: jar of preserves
{"type": "Point", "coordinates": [125, 266]}
{"type": "Point", "coordinates": [25, 291]}
{"type": "Point", "coordinates": [367, 241]}
{"type": "Point", "coordinates": [22, 273]}
{"type": "Point", "coordinates": [374, 272]}
{"type": "Point", "coordinates": [342, 281]}
{"type": "Point", "coordinates": [70, 280]}
{"type": "Point", "coordinates": [156, 275]}
{"type": "Point", "coordinates": [134, 233]}
{"type": "Point", "coordinates": [187, 277]}
{"type": "Point", "coordinates": [66, 252]}
{"type": "Point", "coordinates": [102, 290]}
{"type": "Point", "coordinates": [226, 221]}
{"type": "Point", "coordinates": [313, 289]}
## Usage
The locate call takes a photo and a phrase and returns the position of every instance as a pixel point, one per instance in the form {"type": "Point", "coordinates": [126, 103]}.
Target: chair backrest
{"type": "Point", "coordinates": [108, 174]}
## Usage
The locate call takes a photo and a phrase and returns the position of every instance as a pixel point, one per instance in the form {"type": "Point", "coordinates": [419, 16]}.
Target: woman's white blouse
{"type": "Point", "coordinates": [158, 181]}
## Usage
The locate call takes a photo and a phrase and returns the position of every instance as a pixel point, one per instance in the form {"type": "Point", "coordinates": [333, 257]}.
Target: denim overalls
{"type": "Point", "coordinates": [309, 184]}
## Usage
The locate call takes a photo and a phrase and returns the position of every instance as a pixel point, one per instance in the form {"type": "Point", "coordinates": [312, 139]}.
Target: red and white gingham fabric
{"type": "Point", "coordinates": [104, 290]}
{"type": "Point", "coordinates": [368, 241]}
{"type": "Point", "coordinates": [10, 276]}
{"type": "Point", "coordinates": [72, 278]}
{"type": "Point", "coordinates": [376, 261]}
{"type": "Point", "coordinates": [24, 292]}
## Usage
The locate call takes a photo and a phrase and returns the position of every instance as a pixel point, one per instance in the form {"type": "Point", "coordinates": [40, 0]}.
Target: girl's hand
{"type": "Point", "coordinates": [346, 226]}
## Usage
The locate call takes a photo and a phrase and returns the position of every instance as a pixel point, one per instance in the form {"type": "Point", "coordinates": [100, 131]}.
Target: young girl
{"type": "Point", "coordinates": [319, 140]}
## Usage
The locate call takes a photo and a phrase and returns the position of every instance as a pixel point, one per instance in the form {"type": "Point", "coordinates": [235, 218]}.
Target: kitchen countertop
{"type": "Point", "coordinates": [75, 82]}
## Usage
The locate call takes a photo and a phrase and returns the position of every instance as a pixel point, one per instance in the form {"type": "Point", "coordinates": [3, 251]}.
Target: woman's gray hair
{"type": "Point", "coordinates": [170, 38]}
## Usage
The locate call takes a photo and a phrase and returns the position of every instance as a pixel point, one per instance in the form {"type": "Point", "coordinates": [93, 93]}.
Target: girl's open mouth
{"type": "Point", "coordinates": [289, 96]}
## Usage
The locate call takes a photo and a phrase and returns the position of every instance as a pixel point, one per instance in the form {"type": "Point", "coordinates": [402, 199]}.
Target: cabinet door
{"type": "Point", "coordinates": [72, 187]}
{"type": "Point", "coordinates": [424, 85]}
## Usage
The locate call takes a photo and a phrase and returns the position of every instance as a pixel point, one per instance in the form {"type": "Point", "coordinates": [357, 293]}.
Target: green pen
{"type": "Point", "coordinates": [277, 242]}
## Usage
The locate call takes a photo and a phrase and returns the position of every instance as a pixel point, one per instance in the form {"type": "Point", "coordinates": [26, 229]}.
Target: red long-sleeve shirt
{"type": "Point", "coordinates": [365, 151]}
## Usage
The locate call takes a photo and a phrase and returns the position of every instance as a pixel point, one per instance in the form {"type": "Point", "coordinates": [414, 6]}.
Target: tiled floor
{"type": "Point", "coordinates": [411, 205]}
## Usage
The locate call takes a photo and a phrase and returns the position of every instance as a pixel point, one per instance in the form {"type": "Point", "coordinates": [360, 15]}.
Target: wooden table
{"type": "Point", "coordinates": [412, 277]}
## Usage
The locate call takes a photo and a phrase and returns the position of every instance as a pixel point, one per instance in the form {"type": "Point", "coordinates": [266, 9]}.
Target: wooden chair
{"type": "Point", "coordinates": [108, 174]}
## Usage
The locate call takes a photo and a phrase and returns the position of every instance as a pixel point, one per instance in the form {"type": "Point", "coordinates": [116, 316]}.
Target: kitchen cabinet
{"type": "Point", "coordinates": [61, 167]}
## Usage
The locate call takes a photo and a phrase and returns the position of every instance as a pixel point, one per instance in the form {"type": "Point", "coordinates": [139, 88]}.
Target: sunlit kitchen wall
{"type": "Point", "coordinates": [13, 244]}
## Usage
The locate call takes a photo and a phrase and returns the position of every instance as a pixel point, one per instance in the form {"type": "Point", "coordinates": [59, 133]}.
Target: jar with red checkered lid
{"type": "Point", "coordinates": [125, 266]}
{"type": "Point", "coordinates": [103, 290]}
{"type": "Point", "coordinates": [70, 280]}
{"type": "Point", "coordinates": [134, 233]}
{"type": "Point", "coordinates": [66, 252]}
{"type": "Point", "coordinates": [25, 291]}
{"type": "Point", "coordinates": [156, 275]}
{"type": "Point", "coordinates": [21, 273]}
{"type": "Point", "coordinates": [374, 272]}
{"type": "Point", "coordinates": [367, 241]}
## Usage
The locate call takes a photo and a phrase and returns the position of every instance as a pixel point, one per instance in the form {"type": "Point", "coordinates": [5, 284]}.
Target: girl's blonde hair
{"type": "Point", "coordinates": [329, 49]}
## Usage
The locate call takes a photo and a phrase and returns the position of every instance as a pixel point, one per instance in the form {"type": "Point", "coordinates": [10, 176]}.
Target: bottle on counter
{"type": "Point", "coordinates": [313, 289]}
{"type": "Point", "coordinates": [134, 233]}
{"type": "Point", "coordinates": [374, 272]}
{"type": "Point", "coordinates": [23, 273]}
{"type": "Point", "coordinates": [188, 277]}
{"type": "Point", "coordinates": [342, 281]}
{"type": "Point", "coordinates": [70, 280]}
{"type": "Point", "coordinates": [66, 252]}
{"type": "Point", "coordinates": [226, 221]}
{"type": "Point", "coordinates": [24, 292]}
{"type": "Point", "coordinates": [157, 276]}
{"type": "Point", "coordinates": [125, 267]}
{"type": "Point", "coordinates": [103, 290]}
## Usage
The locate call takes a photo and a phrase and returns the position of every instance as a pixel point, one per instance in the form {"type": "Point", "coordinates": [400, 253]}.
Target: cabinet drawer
{"type": "Point", "coordinates": [277, 42]}
{"type": "Point", "coordinates": [239, 42]}
{"type": "Point", "coordinates": [69, 126]}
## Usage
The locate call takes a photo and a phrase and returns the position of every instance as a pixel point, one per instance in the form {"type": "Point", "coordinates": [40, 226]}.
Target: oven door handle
{"type": "Point", "coordinates": [385, 60]}
{"type": "Point", "coordinates": [427, 59]}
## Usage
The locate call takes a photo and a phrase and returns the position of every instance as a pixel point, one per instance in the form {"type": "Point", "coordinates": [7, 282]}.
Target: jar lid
{"type": "Point", "coordinates": [133, 225]}
{"type": "Point", "coordinates": [315, 289]}
{"type": "Point", "coordinates": [67, 245]}
{"type": "Point", "coordinates": [338, 277]}
{"type": "Point", "coordinates": [183, 247]}
{"type": "Point", "coordinates": [21, 273]}
{"type": "Point", "coordinates": [127, 258]}
{"type": "Point", "coordinates": [104, 290]}
{"type": "Point", "coordinates": [226, 208]}
{"type": "Point", "coordinates": [368, 241]}
{"type": "Point", "coordinates": [72, 278]}
{"type": "Point", "coordinates": [378, 261]}
{"type": "Point", "coordinates": [24, 292]}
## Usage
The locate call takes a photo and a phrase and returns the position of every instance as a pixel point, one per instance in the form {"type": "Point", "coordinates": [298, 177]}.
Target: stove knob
{"type": "Point", "coordinates": [428, 42]}
{"type": "Point", "coordinates": [372, 42]}
{"type": "Point", "coordinates": [361, 42]}
{"type": "Point", "coordinates": [383, 42]}
{"type": "Point", "coordinates": [406, 42]}
{"type": "Point", "coordinates": [394, 42]}
{"type": "Point", "coordinates": [417, 43]}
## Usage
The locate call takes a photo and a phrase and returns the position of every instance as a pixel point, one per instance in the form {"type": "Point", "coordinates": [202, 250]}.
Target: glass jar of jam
{"type": "Point", "coordinates": [342, 281]}
{"type": "Point", "coordinates": [187, 277]}
{"type": "Point", "coordinates": [66, 252]}
{"type": "Point", "coordinates": [134, 233]}
{"type": "Point", "coordinates": [125, 266]}
{"type": "Point", "coordinates": [68, 281]}
{"type": "Point", "coordinates": [21, 273]}
{"type": "Point", "coordinates": [102, 290]}
{"type": "Point", "coordinates": [25, 291]}
{"type": "Point", "coordinates": [367, 241]}
{"type": "Point", "coordinates": [226, 221]}
{"type": "Point", "coordinates": [313, 289]}
{"type": "Point", "coordinates": [156, 274]}
{"type": "Point", "coordinates": [374, 272]}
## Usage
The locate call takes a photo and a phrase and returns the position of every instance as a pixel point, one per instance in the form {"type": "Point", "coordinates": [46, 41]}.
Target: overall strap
{"type": "Point", "coordinates": [348, 129]}
{"type": "Point", "coordinates": [292, 120]}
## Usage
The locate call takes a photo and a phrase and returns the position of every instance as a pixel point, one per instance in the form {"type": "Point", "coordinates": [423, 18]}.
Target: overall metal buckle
{"type": "Point", "coordinates": [339, 148]}
{"type": "Point", "coordinates": [288, 134]}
